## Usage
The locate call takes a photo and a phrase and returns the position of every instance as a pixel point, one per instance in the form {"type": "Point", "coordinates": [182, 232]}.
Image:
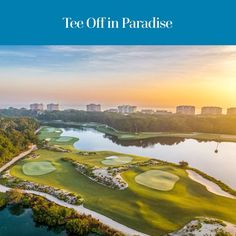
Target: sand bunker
{"type": "Point", "coordinates": [157, 179]}
{"type": "Point", "coordinates": [111, 157]}
{"type": "Point", "coordinates": [211, 187]}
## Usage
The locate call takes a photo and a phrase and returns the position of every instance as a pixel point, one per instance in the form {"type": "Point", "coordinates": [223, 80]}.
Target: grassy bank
{"type": "Point", "coordinates": [120, 135]}
{"type": "Point", "coordinates": [222, 185]}
{"type": "Point", "coordinates": [147, 135]}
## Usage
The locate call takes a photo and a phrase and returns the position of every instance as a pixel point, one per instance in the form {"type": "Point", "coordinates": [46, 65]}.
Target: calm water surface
{"type": "Point", "coordinates": [19, 221]}
{"type": "Point", "coordinates": [201, 155]}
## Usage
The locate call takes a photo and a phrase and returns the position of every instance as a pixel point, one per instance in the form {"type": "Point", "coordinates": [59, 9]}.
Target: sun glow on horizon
{"type": "Point", "coordinates": [150, 76]}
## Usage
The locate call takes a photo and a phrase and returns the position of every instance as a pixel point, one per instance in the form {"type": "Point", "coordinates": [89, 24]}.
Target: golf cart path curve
{"type": "Point", "coordinates": [80, 209]}
{"type": "Point", "coordinates": [17, 158]}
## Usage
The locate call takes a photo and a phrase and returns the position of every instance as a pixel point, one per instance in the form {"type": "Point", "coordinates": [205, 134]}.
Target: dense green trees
{"type": "Point", "coordinates": [16, 134]}
{"type": "Point", "coordinates": [53, 215]}
{"type": "Point", "coordinates": [183, 164]}
{"type": "Point", "coordinates": [138, 122]}
{"type": "Point", "coordinates": [49, 213]}
{"type": "Point", "coordinates": [3, 201]}
{"type": "Point", "coordinates": [14, 196]}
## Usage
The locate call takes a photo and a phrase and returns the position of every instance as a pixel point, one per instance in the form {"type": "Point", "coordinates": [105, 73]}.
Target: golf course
{"type": "Point", "coordinates": [159, 199]}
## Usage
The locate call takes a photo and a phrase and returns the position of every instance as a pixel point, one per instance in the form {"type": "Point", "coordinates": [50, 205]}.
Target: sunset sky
{"type": "Point", "coordinates": [146, 76]}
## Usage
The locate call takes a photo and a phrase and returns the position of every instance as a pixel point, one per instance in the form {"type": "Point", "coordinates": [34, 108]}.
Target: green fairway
{"type": "Point", "coordinates": [145, 209]}
{"type": "Point", "coordinates": [140, 206]}
{"type": "Point", "coordinates": [117, 160]}
{"type": "Point", "coordinates": [64, 139]}
{"type": "Point", "coordinates": [38, 168]}
{"type": "Point", "coordinates": [98, 158]}
{"type": "Point", "coordinates": [157, 179]}
{"type": "Point", "coordinates": [51, 129]}
{"type": "Point", "coordinates": [53, 137]}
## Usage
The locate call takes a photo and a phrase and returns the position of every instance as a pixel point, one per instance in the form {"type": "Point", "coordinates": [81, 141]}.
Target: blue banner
{"type": "Point", "coordinates": [172, 22]}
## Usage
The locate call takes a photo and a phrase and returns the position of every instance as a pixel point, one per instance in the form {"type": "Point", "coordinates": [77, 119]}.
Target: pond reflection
{"type": "Point", "coordinates": [199, 154]}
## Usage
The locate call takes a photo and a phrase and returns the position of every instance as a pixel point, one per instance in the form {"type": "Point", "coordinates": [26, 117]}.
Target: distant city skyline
{"type": "Point", "coordinates": [184, 109]}
{"type": "Point", "coordinates": [144, 76]}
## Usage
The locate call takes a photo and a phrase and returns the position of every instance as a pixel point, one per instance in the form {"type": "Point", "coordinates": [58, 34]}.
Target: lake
{"type": "Point", "coordinates": [15, 220]}
{"type": "Point", "coordinates": [200, 155]}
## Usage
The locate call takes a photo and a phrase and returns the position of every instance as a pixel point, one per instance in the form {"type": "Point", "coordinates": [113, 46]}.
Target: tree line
{"type": "Point", "coordinates": [53, 215]}
{"type": "Point", "coordinates": [16, 134]}
{"type": "Point", "coordinates": [138, 122]}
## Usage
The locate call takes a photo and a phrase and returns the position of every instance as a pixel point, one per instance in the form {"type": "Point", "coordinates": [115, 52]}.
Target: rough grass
{"type": "Point", "coordinates": [157, 179]}
{"type": "Point", "coordinates": [38, 168]}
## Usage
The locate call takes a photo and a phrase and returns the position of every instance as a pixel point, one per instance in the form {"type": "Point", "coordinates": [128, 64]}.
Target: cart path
{"type": "Point", "coordinates": [17, 158]}
{"type": "Point", "coordinates": [80, 209]}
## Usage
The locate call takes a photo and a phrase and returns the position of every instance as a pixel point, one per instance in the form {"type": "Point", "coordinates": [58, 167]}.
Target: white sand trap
{"type": "Point", "coordinates": [157, 179]}
{"type": "Point", "coordinates": [206, 228]}
{"type": "Point", "coordinates": [116, 160]}
{"type": "Point", "coordinates": [111, 157]}
{"type": "Point", "coordinates": [211, 187]}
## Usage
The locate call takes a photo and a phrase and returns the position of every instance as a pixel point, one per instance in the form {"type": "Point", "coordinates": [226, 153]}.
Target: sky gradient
{"type": "Point", "coordinates": [147, 76]}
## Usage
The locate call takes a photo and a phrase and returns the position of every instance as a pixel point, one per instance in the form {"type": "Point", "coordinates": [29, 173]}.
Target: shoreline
{"type": "Point", "coordinates": [82, 210]}
{"type": "Point", "coordinates": [127, 136]}
{"type": "Point", "coordinates": [210, 186]}
{"type": "Point", "coordinates": [221, 185]}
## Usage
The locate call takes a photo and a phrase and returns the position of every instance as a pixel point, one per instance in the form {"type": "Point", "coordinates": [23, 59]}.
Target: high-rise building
{"type": "Point", "coordinates": [211, 111]}
{"type": "Point", "coordinates": [114, 110]}
{"type": "Point", "coordinates": [185, 110]}
{"type": "Point", "coordinates": [93, 107]}
{"type": "Point", "coordinates": [127, 109]}
{"type": "Point", "coordinates": [53, 107]}
{"type": "Point", "coordinates": [147, 111]}
{"type": "Point", "coordinates": [231, 111]}
{"type": "Point", "coordinates": [36, 107]}
{"type": "Point", "coordinates": [163, 112]}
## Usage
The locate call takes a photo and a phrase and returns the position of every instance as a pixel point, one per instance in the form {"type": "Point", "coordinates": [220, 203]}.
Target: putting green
{"type": "Point", "coordinates": [157, 179]}
{"type": "Point", "coordinates": [38, 168]}
{"type": "Point", "coordinates": [116, 160]}
{"type": "Point", "coordinates": [64, 139]}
